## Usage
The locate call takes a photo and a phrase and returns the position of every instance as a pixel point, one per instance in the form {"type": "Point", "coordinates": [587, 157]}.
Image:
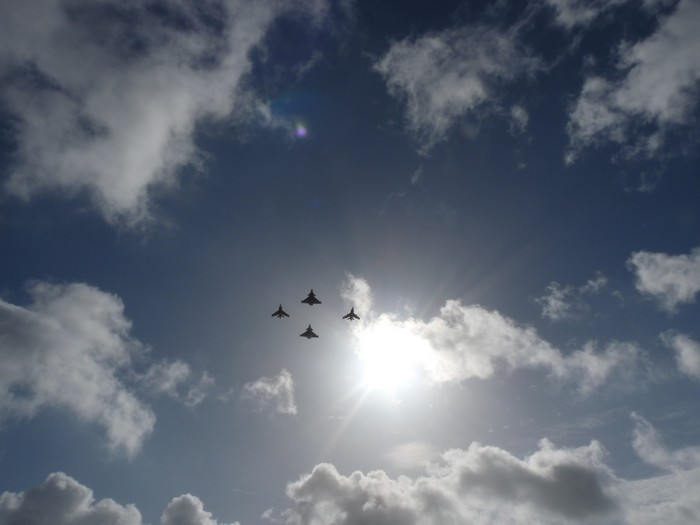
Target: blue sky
{"type": "Point", "coordinates": [507, 195]}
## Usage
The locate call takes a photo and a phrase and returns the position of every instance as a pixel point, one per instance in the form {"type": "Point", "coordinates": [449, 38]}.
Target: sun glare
{"type": "Point", "coordinates": [389, 356]}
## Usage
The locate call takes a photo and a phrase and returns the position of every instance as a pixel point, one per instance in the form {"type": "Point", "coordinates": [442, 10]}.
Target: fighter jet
{"type": "Point", "coordinates": [280, 313]}
{"type": "Point", "coordinates": [352, 315]}
{"type": "Point", "coordinates": [308, 333]}
{"type": "Point", "coordinates": [311, 299]}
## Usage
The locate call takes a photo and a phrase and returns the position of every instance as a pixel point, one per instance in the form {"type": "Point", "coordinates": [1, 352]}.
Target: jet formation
{"type": "Point", "coordinates": [311, 300]}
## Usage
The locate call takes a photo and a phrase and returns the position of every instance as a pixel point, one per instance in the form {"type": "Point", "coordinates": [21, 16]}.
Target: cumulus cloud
{"type": "Point", "coordinates": [479, 485]}
{"type": "Point", "coordinates": [467, 341]}
{"type": "Point", "coordinates": [188, 510]}
{"type": "Point", "coordinates": [485, 484]}
{"type": "Point", "coordinates": [106, 96]}
{"type": "Point", "coordinates": [66, 349]}
{"type": "Point", "coordinates": [275, 391]}
{"type": "Point", "coordinates": [61, 500]}
{"type": "Point", "coordinates": [655, 89]}
{"type": "Point", "coordinates": [446, 75]}
{"type": "Point", "coordinates": [687, 352]}
{"type": "Point", "coordinates": [566, 301]}
{"type": "Point", "coordinates": [672, 280]}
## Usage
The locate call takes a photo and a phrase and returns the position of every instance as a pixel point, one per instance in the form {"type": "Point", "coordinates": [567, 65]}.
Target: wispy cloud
{"type": "Point", "coordinates": [277, 391]}
{"type": "Point", "coordinates": [107, 96]}
{"type": "Point", "coordinates": [412, 455]}
{"type": "Point", "coordinates": [652, 93]}
{"type": "Point", "coordinates": [566, 301]}
{"type": "Point", "coordinates": [672, 280]}
{"type": "Point", "coordinates": [356, 292]}
{"type": "Point", "coordinates": [576, 13]}
{"type": "Point", "coordinates": [444, 76]}
{"type": "Point", "coordinates": [650, 448]}
{"type": "Point", "coordinates": [67, 349]}
{"type": "Point", "coordinates": [175, 379]}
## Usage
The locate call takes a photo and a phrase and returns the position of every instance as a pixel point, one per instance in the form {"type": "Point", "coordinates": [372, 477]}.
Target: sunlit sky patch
{"type": "Point", "coordinates": [506, 194]}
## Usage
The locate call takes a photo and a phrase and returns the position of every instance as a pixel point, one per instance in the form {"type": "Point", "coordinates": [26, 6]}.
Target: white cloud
{"type": "Point", "coordinates": [61, 500]}
{"type": "Point", "coordinates": [108, 105]}
{"type": "Point", "coordinates": [565, 301]}
{"type": "Point", "coordinates": [687, 353]}
{"type": "Point", "coordinates": [277, 391]}
{"type": "Point", "coordinates": [672, 280]}
{"type": "Point", "coordinates": [519, 119]}
{"type": "Point", "coordinates": [467, 341]}
{"type": "Point", "coordinates": [556, 303]}
{"type": "Point", "coordinates": [479, 485]}
{"type": "Point", "coordinates": [187, 510]}
{"type": "Point", "coordinates": [485, 485]}
{"type": "Point", "coordinates": [447, 75]}
{"type": "Point", "coordinates": [172, 377]}
{"type": "Point", "coordinates": [356, 292]}
{"type": "Point", "coordinates": [67, 350]}
{"type": "Point", "coordinates": [657, 88]}
{"type": "Point", "coordinates": [572, 13]}
{"type": "Point", "coordinates": [649, 447]}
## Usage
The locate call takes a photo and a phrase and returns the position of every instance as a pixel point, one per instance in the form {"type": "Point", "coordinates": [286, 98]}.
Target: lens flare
{"type": "Point", "coordinates": [300, 130]}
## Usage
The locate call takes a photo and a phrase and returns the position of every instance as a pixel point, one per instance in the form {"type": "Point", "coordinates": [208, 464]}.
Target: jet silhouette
{"type": "Point", "coordinates": [352, 315]}
{"type": "Point", "coordinates": [308, 333]}
{"type": "Point", "coordinates": [280, 313]}
{"type": "Point", "coordinates": [311, 299]}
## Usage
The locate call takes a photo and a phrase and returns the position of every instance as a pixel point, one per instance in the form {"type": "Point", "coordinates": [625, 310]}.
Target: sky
{"type": "Point", "coordinates": [506, 193]}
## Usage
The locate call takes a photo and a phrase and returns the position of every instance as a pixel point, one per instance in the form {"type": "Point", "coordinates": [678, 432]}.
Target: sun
{"type": "Point", "coordinates": [389, 355]}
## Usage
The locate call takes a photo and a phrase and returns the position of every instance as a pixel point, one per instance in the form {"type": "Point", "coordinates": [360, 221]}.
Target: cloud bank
{"type": "Point", "coordinates": [61, 500]}
{"type": "Point", "coordinates": [484, 485]}
{"type": "Point", "coordinates": [480, 484]}
{"type": "Point", "coordinates": [106, 96]}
